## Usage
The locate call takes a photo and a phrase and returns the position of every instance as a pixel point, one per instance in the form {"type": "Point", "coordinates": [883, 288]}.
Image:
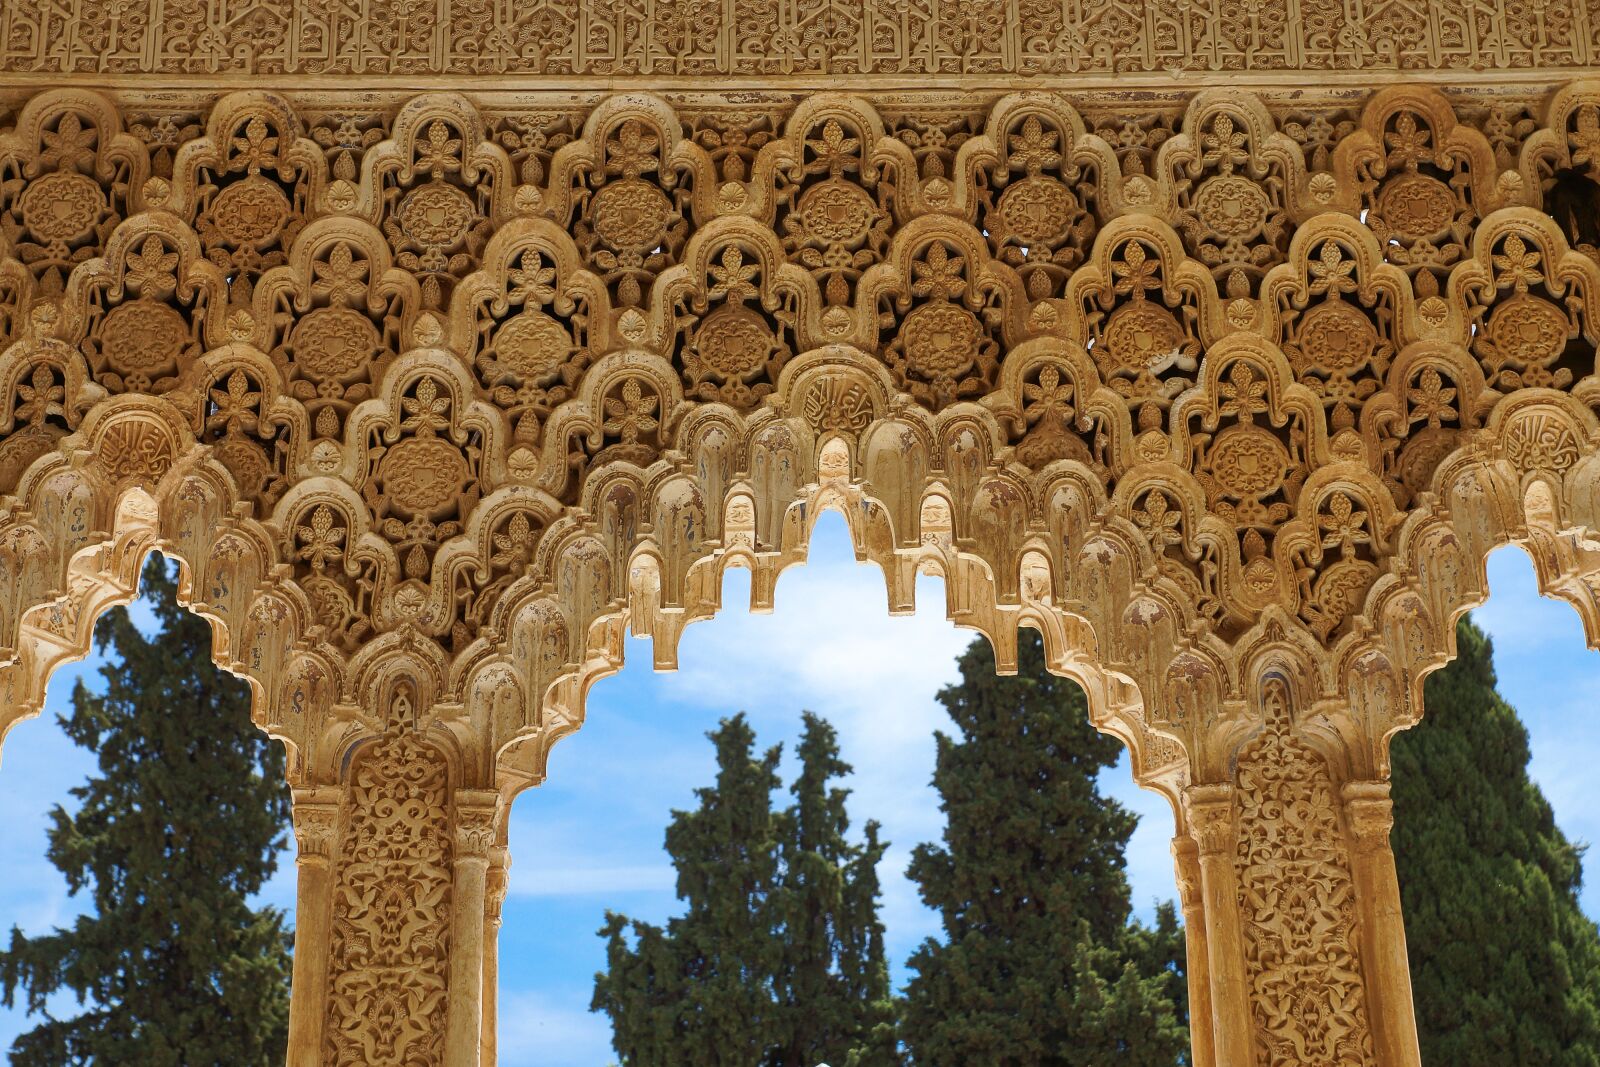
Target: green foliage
{"type": "Point", "coordinates": [1040, 965]}
{"type": "Point", "coordinates": [1504, 966]}
{"type": "Point", "coordinates": [183, 823]}
{"type": "Point", "coordinates": [778, 959]}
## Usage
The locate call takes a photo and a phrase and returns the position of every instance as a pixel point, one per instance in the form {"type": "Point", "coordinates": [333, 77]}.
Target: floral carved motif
{"type": "Point", "coordinates": [1297, 902]}
{"type": "Point", "coordinates": [389, 960]}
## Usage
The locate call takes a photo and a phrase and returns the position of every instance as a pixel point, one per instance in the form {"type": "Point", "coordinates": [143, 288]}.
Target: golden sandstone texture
{"type": "Point", "coordinates": [1224, 375]}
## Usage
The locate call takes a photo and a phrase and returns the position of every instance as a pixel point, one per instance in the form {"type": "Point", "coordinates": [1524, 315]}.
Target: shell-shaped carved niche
{"type": "Point", "coordinates": [134, 442]}
{"type": "Point", "coordinates": [945, 312]}
{"type": "Point", "coordinates": [531, 322]}
{"type": "Point", "coordinates": [437, 188]}
{"type": "Point", "coordinates": [68, 175]}
{"type": "Point", "coordinates": [1039, 185]}
{"type": "Point", "coordinates": [332, 319]}
{"type": "Point", "coordinates": [629, 190]}
{"type": "Point", "coordinates": [142, 313]}
{"type": "Point", "coordinates": [247, 186]}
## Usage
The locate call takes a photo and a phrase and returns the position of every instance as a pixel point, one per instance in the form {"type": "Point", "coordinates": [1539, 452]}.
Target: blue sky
{"type": "Point", "coordinates": [590, 838]}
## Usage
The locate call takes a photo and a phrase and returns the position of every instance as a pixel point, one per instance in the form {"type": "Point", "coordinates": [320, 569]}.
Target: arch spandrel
{"type": "Point", "coordinates": [1229, 396]}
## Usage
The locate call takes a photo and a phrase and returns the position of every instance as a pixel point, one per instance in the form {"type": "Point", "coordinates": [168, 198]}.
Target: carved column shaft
{"type": "Point", "coordinates": [499, 883]}
{"type": "Point", "coordinates": [316, 821]}
{"type": "Point", "coordinates": [1211, 816]}
{"type": "Point", "coordinates": [1186, 858]}
{"type": "Point", "coordinates": [1369, 816]}
{"type": "Point", "coordinates": [476, 815]}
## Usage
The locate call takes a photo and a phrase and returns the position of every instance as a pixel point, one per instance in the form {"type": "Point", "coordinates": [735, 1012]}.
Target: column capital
{"type": "Point", "coordinates": [1212, 817]}
{"type": "Point", "coordinates": [1186, 864]}
{"type": "Point", "coordinates": [1368, 813]}
{"type": "Point", "coordinates": [499, 881]}
{"type": "Point", "coordinates": [315, 816]}
{"type": "Point", "coordinates": [477, 824]}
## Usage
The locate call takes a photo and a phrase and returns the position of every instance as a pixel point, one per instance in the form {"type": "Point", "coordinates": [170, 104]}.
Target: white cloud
{"type": "Point", "coordinates": [538, 1031]}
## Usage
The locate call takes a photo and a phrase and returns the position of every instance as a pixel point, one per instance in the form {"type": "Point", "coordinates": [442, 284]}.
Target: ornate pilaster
{"type": "Point", "coordinates": [1369, 816]}
{"type": "Point", "coordinates": [1212, 821]}
{"type": "Point", "coordinates": [1186, 861]}
{"type": "Point", "coordinates": [316, 825]}
{"type": "Point", "coordinates": [1308, 1000]}
{"type": "Point", "coordinates": [389, 966]}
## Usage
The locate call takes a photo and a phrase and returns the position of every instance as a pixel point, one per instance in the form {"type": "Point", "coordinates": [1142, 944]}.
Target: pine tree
{"type": "Point", "coordinates": [1040, 965]}
{"type": "Point", "coordinates": [778, 959]}
{"type": "Point", "coordinates": [183, 823]}
{"type": "Point", "coordinates": [1505, 967]}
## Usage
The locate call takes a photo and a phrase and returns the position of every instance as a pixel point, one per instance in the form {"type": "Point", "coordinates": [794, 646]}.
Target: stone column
{"type": "Point", "coordinates": [1213, 823]}
{"type": "Point", "coordinates": [1186, 858]}
{"type": "Point", "coordinates": [1369, 816]}
{"type": "Point", "coordinates": [476, 818]}
{"type": "Point", "coordinates": [316, 822]}
{"type": "Point", "coordinates": [499, 883]}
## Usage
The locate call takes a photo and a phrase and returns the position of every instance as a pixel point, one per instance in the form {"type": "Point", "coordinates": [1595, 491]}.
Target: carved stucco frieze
{"type": "Point", "coordinates": [472, 387]}
{"type": "Point", "coordinates": [763, 38]}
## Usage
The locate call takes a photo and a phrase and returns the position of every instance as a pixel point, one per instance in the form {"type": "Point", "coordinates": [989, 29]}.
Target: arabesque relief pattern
{"type": "Point", "coordinates": [769, 37]}
{"type": "Point", "coordinates": [389, 967]}
{"type": "Point", "coordinates": [1298, 905]}
{"type": "Point", "coordinates": [1229, 395]}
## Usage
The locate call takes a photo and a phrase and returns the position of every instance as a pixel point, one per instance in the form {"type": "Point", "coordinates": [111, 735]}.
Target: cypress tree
{"type": "Point", "coordinates": [778, 958]}
{"type": "Point", "coordinates": [834, 981]}
{"type": "Point", "coordinates": [182, 824]}
{"type": "Point", "coordinates": [1040, 965]}
{"type": "Point", "coordinates": [1505, 967]}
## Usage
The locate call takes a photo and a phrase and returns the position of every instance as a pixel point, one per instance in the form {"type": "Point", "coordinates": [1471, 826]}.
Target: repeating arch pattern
{"type": "Point", "coordinates": [1229, 400]}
